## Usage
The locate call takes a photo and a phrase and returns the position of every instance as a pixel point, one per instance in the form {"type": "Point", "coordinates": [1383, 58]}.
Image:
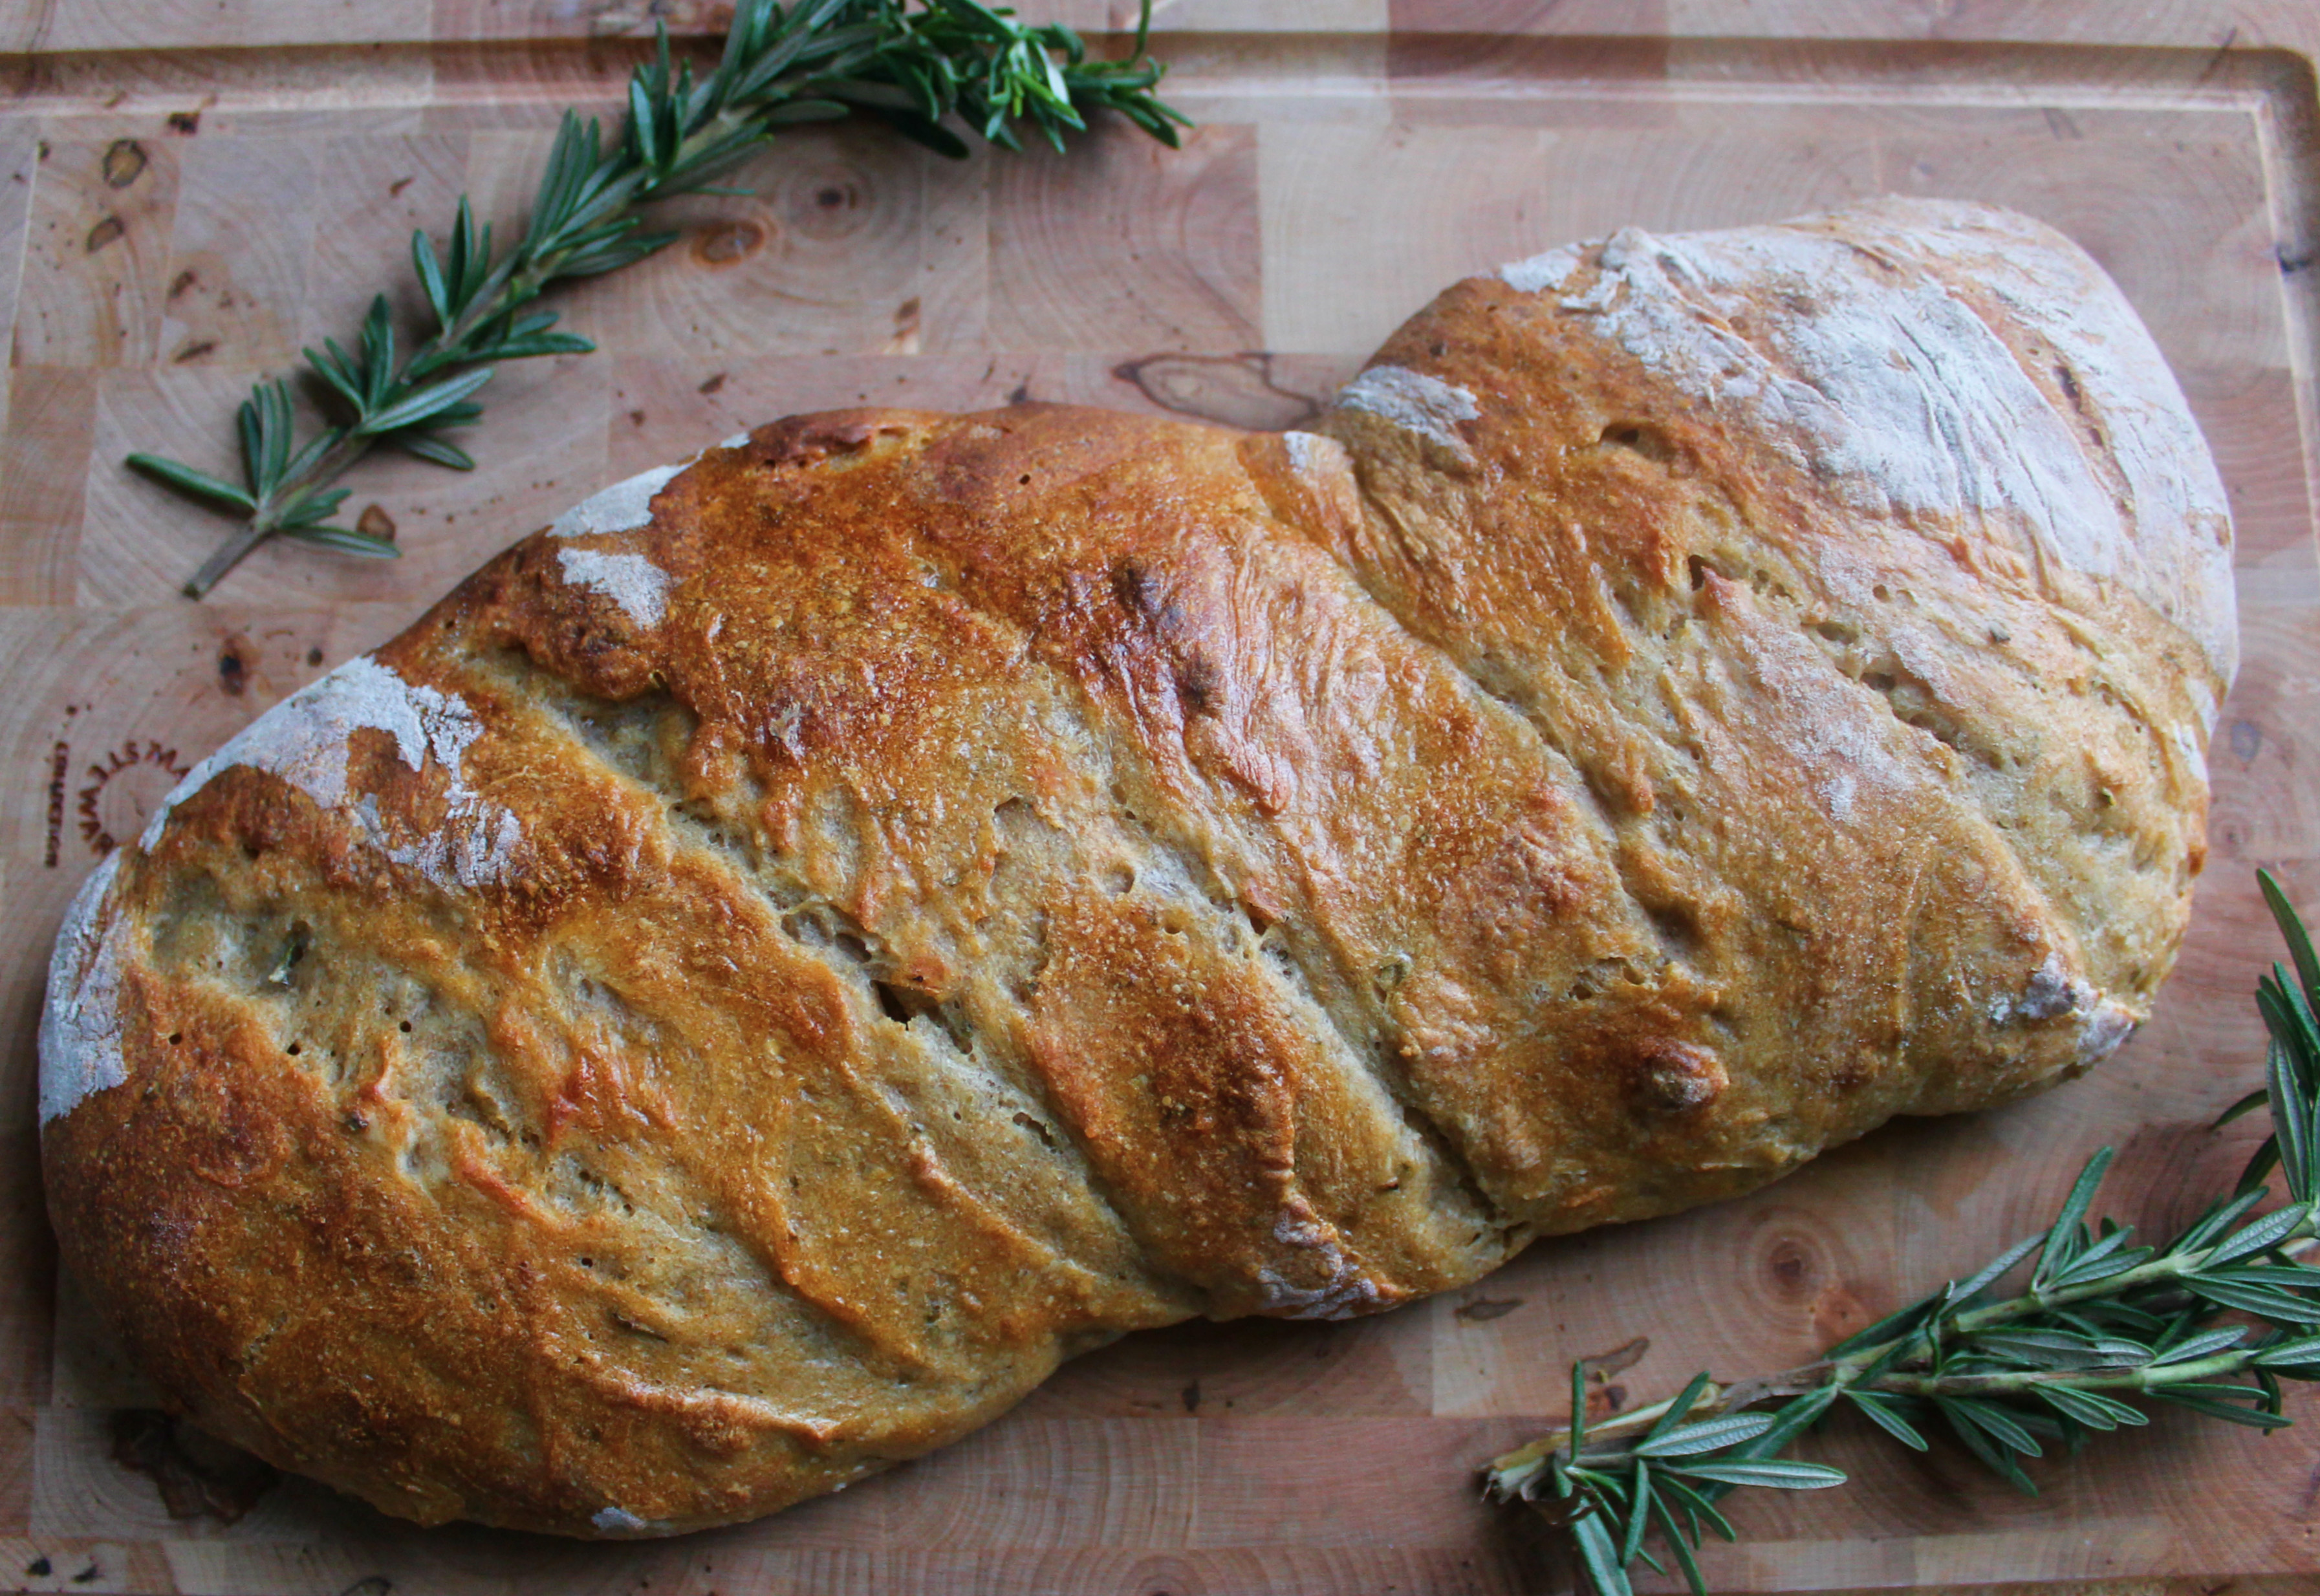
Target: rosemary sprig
{"type": "Point", "coordinates": [919, 70]}
{"type": "Point", "coordinates": [2097, 1321]}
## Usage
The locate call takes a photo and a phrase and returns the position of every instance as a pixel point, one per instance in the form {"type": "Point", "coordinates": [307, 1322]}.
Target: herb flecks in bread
{"type": "Point", "coordinates": [778, 960]}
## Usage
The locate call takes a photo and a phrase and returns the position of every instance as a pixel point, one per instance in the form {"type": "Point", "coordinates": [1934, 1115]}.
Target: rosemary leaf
{"type": "Point", "coordinates": [1700, 1509]}
{"type": "Point", "coordinates": [1799, 1415]}
{"type": "Point", "coordinates": [1705, 1437]}
{"type": "Point", "coordinates": [1639, 1516]}
{"type": "Point", "coordinates": [2199, 1400]}
{"type": "Point", "coordinates": [428, 447]}
{"type": "Point", "coordinates": [2197, 1347]}
{"type": "Point", "coordinates": [2104, 1259]}
{"type": "Point", "coordinates": [1997, 1458]}
{"type": "Point", "coordinates": [427, 404]}
{"type": "Point", "coordinates": [1678, 1543]}
{"type": "Point", "coordinates": [1994, 1421]}
{"type": "Point", "coordinates": [2291, 931]}
{"type": "Point", "coordinates": [2305, 1349]}
{"type": "Point", "coordinates": [1606, 1568]}
{"type": "Point", "coordinates": [188, 480]}
{"type": "Point", "coordinates": [2243, 1107]}
{"type": "Point", "coordinates": [343, 540]}
{"type": "Point", "coordinates": [1780, 1474]}
{"type": "Point", "coordinates": [2059, 1349]}
{"type": "Point", "coordinates": [1679, 1407]}
{"type": "Point", "coordinates": [2265, 1232]}
{"type": "Point", "coordinates": [1885, 1415]}
{"type": "Point", "coordinates": [2224, 1214]}
{"type": "Point", "coordinates": [2090, 1407]}
{"type": "Point", "coordinates": [1982, 1279]}
{"type": "Point", "coordinates": [2064, 1241]}
{"type": "Point", "coordinates": [2268, 1301]}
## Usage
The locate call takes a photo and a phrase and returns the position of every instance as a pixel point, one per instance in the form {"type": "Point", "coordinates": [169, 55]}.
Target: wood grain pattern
{"type": "Point", "coordinates": [178, 210]}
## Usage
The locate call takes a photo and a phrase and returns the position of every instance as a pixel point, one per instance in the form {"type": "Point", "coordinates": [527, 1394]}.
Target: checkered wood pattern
{"type": "Point", "coordinates": [193, 188]}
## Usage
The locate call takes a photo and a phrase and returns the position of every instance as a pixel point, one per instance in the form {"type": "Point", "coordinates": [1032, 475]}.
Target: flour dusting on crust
{"type": "Point", "coordinates": [2053, 993]}
{"type": "Point", "coordinates": [1347, 1294]}
{"type": "Point", "coordinates": [1863, 357]}
{"type": "Point", "coordinates": [1885, 386]}
{"type": "Point", "coordinates": [1541, 272]}
{"type": "Point", "coordinates": [1306, 450]}
{"type": "Point", "coordinates": [631, 581]}
{"type": "Point", "coordinates": [303, 740]}
{"type": "Point", "coordinates": [1414, 402]}
{"type": "Point", "coordinates": [80, 1023]}
{"type": "Point", "coordinates": [2112, 374]}
{"type": "Point", "coordinates": [2105, 1030]}
{"type": "Point", "coordinates": [622, 507]}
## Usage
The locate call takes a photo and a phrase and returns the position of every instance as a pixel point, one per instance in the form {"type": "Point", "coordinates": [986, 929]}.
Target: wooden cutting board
{"type": "Point", "coordinates": [187, 209]}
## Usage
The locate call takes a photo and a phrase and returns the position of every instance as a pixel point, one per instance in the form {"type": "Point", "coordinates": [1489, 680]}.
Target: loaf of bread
{"type": "Point", "coordinates": [780, 958]}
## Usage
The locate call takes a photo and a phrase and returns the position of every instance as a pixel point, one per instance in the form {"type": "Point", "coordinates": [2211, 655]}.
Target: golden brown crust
{"type": "Point", "coordinates": [770, 965]}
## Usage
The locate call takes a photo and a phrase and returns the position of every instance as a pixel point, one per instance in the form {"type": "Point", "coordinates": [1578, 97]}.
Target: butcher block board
{"type": "Point", "coordinates": [191, 192]}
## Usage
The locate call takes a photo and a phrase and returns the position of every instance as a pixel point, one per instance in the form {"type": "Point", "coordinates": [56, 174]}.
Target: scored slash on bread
{"type": "Point", "coordinates": [776, 962]}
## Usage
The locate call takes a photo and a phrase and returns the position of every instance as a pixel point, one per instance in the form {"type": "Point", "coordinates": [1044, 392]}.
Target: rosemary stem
{"type": "Point", "coordinates": [2145, 1378]}
{"type": "Point", "coordinates": [263, 522]}
{"type": "Point", "coordinates": [2169, 1266]}
{"type": "Point", "coordinates": [2148, 1377]}
{"type": "Point", "coordinates": [1526, 1461]}
{"type": "Point", "coordinates": [227, 555]}
{"type": "Point", "coordinates": [2159, 1270]}
{"type": "Point", "coordinates": [513, 282]}
{"type": "Point", "coordinates": [919, 66]}
{"type": "Point", "coordinates": [523, 276]}
{"type": "Point", "coordinates": [1634, 1419]}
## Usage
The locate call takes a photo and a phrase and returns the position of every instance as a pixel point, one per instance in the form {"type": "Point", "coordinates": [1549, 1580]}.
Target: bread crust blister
{"type": "Point", "coordinates": [780, 958]}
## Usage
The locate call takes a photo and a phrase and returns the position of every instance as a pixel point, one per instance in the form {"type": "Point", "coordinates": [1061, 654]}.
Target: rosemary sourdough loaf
{"type": "Point", "coordinates": [782, 958]}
